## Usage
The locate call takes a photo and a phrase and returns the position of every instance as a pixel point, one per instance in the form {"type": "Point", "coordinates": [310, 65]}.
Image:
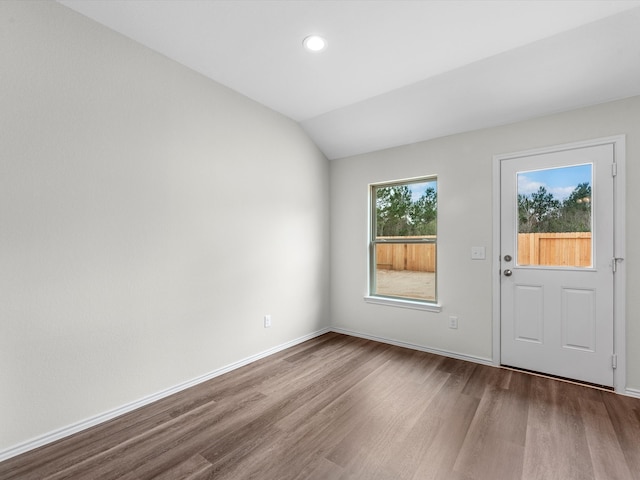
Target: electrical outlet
{"type": "Point", "coordinates": [453, 322]}
{"type": "Point", "coordinates": [267, 321]}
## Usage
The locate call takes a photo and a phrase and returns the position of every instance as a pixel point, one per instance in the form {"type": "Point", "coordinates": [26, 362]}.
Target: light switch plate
{"type": "Point", "coordinates": [478, 253]}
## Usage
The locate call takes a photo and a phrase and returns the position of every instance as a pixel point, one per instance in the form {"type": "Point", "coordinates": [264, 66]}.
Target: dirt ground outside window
{"type": "Point", "coordinates": [406, 283]}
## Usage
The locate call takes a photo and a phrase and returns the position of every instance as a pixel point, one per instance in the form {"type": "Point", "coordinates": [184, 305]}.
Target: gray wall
{"type": "Point", "coordinates": [464, 166]}
{"type": "Point", "coordinates": [149, 218]}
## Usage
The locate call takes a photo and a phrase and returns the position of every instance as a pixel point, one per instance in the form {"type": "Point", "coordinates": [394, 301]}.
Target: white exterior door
{"type": "Point", "coordinates": [557, 263]}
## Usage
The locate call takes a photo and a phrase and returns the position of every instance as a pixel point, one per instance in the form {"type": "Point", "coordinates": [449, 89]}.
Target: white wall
{"type": "Point", "coordinates": [149, 218]}
{"type": "Point", "coordinates": [463, 164]}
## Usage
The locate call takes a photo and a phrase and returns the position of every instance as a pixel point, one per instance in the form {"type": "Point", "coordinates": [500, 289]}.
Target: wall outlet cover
{"type": "Point", "coordinates": [478, 253]}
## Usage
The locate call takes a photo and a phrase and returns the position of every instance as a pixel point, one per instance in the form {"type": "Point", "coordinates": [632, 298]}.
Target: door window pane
{"type": "Point", "coordinates": [555, 217]}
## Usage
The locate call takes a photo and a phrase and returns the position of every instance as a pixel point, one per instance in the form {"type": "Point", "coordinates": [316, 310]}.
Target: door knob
{"type": "Point", "coordinates": [508, 273]}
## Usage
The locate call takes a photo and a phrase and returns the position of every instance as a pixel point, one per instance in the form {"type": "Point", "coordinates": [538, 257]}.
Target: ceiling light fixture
{"type": "Point", "coordinates": [314, 43]}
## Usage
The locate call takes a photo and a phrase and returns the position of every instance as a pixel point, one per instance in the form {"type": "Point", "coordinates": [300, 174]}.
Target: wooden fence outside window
{"type": "Point", "coordinates": [416, 257]}
{"type": "Point", "coordinates": [560, 249]}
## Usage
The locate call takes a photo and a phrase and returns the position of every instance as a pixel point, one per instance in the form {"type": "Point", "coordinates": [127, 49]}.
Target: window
{"type": "Point", "coordinates": [403, 243]}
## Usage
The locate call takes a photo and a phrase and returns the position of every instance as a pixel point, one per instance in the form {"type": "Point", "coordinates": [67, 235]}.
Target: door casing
{"type": "Point", "coordinates": [619, 324]}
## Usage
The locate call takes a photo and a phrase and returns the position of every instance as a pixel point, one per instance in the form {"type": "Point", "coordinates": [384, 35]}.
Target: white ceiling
{"type": "Point", "coordinates": [395, 72]}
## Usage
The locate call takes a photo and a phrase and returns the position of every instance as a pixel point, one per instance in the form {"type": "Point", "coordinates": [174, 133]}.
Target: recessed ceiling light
{"type": "Point", "coordinates": [315, 43]}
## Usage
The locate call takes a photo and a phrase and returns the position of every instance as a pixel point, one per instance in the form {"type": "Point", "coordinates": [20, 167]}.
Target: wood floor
{"type": "Point", "coordinates": [340, 407]}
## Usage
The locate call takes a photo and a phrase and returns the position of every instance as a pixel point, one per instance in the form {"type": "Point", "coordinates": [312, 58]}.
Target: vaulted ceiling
{"type": "Point", "coordinates": [395, 72]}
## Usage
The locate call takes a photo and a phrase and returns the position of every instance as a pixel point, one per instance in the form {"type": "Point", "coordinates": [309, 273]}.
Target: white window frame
{"type": "Point", "coordinates": [402, 302]}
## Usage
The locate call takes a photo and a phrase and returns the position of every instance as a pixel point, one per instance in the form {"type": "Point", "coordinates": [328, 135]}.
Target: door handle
{"type": "Point", "coordinates": [508, 273]}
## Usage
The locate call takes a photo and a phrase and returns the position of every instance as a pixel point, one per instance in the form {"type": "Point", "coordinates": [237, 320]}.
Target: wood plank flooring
{"type": "Point", "coordinates": [343, 408]}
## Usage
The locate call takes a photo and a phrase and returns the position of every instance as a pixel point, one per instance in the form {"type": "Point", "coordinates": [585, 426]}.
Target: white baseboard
{"type": "Point", "coordinates": [412, 346]}
{"type": "Point", "coordinates": [632, 392]}
{"type": "Point", "coordinates": [103, 417]}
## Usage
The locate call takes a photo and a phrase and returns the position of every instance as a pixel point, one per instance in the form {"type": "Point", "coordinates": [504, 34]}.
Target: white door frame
{"type": "Point", "coordinates": [619, 323]}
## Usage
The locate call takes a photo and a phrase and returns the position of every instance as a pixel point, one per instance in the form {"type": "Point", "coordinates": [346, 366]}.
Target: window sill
{"type": "Point", "coordinates": [396, 302]}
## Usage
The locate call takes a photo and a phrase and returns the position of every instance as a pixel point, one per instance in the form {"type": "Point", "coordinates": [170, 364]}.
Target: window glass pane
{"type": "Point", "coordinates": [404, 231]}
{"type": "Point", "coordinates": [406, 210]}
{"type": "Point", "coordinates": [555, 217]}
{"type": "Point", "coordinates": [406, 270]}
